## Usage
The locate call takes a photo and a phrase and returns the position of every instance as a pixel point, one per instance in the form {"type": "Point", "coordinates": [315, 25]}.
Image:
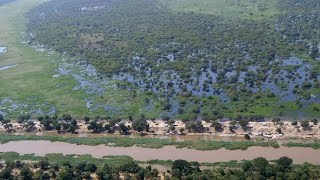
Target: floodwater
{"type": "Point", "coordinates": [41, 148]}
{"type": "Point", "coordinates": [7, 67]}
{"type": "Point", "coordinates": [3, 50]}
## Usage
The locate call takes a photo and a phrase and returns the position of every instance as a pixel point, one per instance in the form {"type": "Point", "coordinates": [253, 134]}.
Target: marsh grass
{"type": "Point", "coordinates": [142, 142]}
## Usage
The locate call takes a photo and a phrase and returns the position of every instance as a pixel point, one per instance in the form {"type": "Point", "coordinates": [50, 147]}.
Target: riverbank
{"type": "Point", "coordinates": [141, 142]}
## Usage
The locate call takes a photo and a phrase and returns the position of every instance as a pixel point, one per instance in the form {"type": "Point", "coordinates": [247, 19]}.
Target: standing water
{"type": "Point", "coordinates": [3, 50]}
{"type": "Point", "coordinates": [7, 67]}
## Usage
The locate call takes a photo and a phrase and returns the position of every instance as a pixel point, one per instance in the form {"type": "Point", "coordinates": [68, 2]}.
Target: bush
{"type": "Point", "coordinates": [246, 136]}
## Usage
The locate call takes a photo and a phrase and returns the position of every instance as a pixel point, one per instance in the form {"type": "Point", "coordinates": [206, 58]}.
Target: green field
{"type": "Point", "coordinates": [143, 142]}
{"type": "Point", "coordinates": [246, 9]}
{"type": "Point", "coordinates": [31, 85]}
{"type": "Point", "coordinates": [32, 78]}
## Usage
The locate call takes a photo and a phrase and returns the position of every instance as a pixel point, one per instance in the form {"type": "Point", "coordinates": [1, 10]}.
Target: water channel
{"type": "Point", "coordinates": [41, 148]}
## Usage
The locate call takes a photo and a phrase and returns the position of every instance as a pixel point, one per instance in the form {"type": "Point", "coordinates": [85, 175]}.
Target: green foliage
{"type": "Point", "coordinates": [244, 9]}
{"type": "Point", "coordinates": [83, 167]}
{"type": "Point", "coordinates": [143, 142]}
{"type": "Point", "coordinates": [210, 37]}
{"type": "Point", "coordinates": [246, 136]}
{"type": "Point", "coordinates": [284, 163]}
{"type": "Point", "coordinates": [217, 126]}
{"type": "Point", "coordinates": [140, 125]}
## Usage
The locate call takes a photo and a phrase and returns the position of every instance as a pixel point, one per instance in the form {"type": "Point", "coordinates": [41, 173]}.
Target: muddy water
{"type": "Point", "coordinates": [298, 154]}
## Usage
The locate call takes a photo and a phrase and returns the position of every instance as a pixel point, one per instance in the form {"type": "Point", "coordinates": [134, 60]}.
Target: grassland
{"type": "Point", "coordinates": [142, 142]}
{"type": "Point", "coordinates": [314, 145]}
{"type": "Point", "coordinates": [112, 161]}
{"type": "Point", "coordinates": [31, 85]}
{"type": "Point", "coordinates": [32, 78]}
{"type": "Point", "coordinates": [246, 9]}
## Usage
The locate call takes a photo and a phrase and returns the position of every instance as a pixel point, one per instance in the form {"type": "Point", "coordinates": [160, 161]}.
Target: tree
{"type": "Point", "coordinates": [26, 173]}
{"type": "Point", "coordinates": [182, 165]}
{"type": "Point", "coordinates": [46, 124]}
{"type": "Point", "coordinates": [58, 127]}
{"type": "Point", "coordinates": [66, 117]}
{"type": "Point", "coordinates": [109, 128]}
{"type": "Point", "coordinates": [64, 175]}
{"type": "Point", "coordinates": [6, 121]}
{"type": "Point", "coordinates": [139, 125]}
{"type": "Point", "coordinates": [305, 125]}
{"type": "Point", "coordinates": [80, 166]}
{"type": "Point", "coordinates": [123, 129]}
{"type": "Point", "coordinates": [284, 163]}
{"type": "Point", "coordinates": [247, 166]}
{"type": "Point", "coordinates": [246, 136]}
{"type": "Point", "coordinates": [232, 125]}
{"type": "Point", "coordinates": [244, 123]}
{"type": "Point", "coordinates": [72, 128]}
{"type": "Point", "coordinates": [97, 127]}
{"type": "Point", "coordinates": [45, 176]}
{"type": "Point", "coordinates": [181, 130]}
{"type": "Point", "coordinates": [22, 118]}
{"type": "Point", "coordinates": [276, 120]}
{"type": "Point", "coordinates": [5, 173]}
{"type": "Point", "coordinates": [40, 118]}
{"type": "Point", "coordinates": [74, 122]}
{"type": "Point", "coordinates": [85, 175]}
{"type": "Point", "coordinates": [176, 173]}
{"type": "Point", "coordinates": [86, 120]}
{"type": "Point", "coordinates": [1, 118]}
{"type": "Point", "coordinates": [171, 122]}
{"type": "Point", "coordinates": [100, 174]}
{"type": "Point", "coordinates": [314, 121]}
{"type": "Point", "coordinates": [130, 167]}
{"type": "Point", "coordinates": [90, 167]}
{"type": "Point", "coordinates": [165, 117]}
{"type": "Point", "coordinates": [217, 126]}
{"type": "Point", "coordinates": [43, 164]}
{"type": "Point", "coordinates": [195, 127]}
{"type": "Point", "coordinates": [8, 127]}
{"type": "Point", "coordinates": [260, 164]}
{"type": "Point", "coordinates": [29, 126]}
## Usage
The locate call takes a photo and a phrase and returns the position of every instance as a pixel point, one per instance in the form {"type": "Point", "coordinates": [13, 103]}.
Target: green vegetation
{"type": "Point", "coordinates": [185, 59]}
{"type": "Point", "coordinates": [60, 159]}
{"type": "Point", "coordinates": [31, 82]}
{"type": "Point", "coordinates": [30, 86]}
{"type": "Point", "coordinates": [243, 9]}
{"type": "Point", "coordinates": [243, 55]}
{"type": "Point", "coordinates": [314, 145]}
{"type": "Point", "coordinates": [141, 142]}
{"type": "Point", "coordinates": [57, 166]}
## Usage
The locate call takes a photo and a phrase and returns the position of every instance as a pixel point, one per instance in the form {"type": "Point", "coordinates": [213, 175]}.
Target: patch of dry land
{"type": "Point", "coordinates": [267, 129]}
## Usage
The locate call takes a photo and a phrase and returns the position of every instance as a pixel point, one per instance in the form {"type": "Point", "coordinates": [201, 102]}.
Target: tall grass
{"type": "Point", "coordinates": [141, 142]}
{"type": "Point", "coordinates": [314, 145]}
